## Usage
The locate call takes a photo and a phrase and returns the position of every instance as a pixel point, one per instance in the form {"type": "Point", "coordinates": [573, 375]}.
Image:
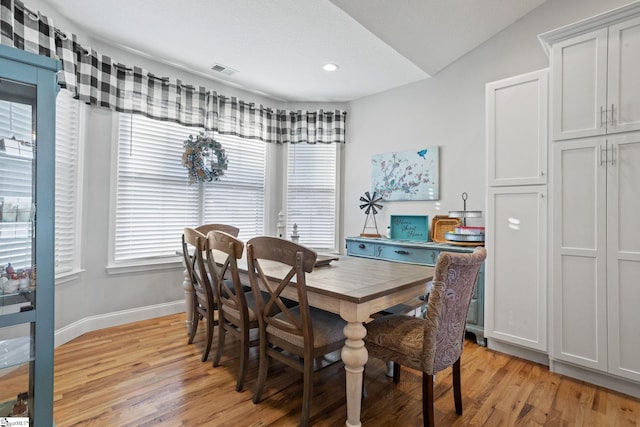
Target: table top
{"type": "Point", "coordinates": [357, 280]}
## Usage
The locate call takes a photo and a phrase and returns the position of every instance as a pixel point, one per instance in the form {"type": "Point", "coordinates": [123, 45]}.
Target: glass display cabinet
{"type": "Point", "coordinates": [28, 90]}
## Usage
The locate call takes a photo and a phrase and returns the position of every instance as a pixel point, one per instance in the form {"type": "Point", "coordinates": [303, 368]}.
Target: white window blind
{"type": "Point", "coordinates": [68, 211]}
{"type": "Point", "coordinates": [239, 197]}
{"type": "Point", "coordinates": [312, 192]}
{"type": "Point", "coordinates": [15, 186]}
{"type": "Point", "coordinates": [154, 200]}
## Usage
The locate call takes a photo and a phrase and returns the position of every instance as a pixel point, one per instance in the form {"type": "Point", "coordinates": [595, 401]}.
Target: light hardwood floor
{"type": "Point", "coordinates": [145, 374]}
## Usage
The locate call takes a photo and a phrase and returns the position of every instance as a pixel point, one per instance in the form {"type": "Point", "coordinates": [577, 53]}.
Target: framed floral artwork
{"type": "Point", "coordinates": [407, 175]}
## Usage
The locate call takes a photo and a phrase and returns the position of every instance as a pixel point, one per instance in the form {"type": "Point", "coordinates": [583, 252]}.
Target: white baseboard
{"type": "Point", "coordinates": [517, 351]}
{"type": "Point", "coordinates": [107, 320]}
{"type": "Point", "coordinates": [598, 378]}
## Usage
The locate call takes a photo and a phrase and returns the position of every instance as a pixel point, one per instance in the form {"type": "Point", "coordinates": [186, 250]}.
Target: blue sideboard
{"type": "Point", "coordinates": [425, 253]}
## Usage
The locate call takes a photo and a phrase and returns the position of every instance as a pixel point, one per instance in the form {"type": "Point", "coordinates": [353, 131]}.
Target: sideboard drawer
{"type": "Point", "coordinates": [361, 249]}
{"type": "Point", "coordinates": [413, 255]}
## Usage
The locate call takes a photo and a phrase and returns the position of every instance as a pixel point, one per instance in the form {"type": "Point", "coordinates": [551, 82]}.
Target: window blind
{"type": "Point", "coordinates": [15, 186]}
{"type": "Point", "coordinates": [67, 212]}
{"type": "Point", "coordinates": [311, 193]}
{"type": "Point", "coordinates": [239, 197]}
{"type": "Point", "coordinates": [153, 199]}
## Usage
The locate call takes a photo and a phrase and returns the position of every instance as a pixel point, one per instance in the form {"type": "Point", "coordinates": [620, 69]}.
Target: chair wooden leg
{"type": "Point", "coordinates": [222, 332]}
{"type": "Point", "coordinates": [244, 357]}
{"type": "Point", "coordinates": [263, 367]}
{"type": "Point", "coordinates": [307, 390]}
{"type": "Point", "coordinates": [210, 325]}
{"type": "Point", "coordinates": [427, 400]}
{"type": "Point", "coordinates": [195, 318]}
{"type": "Point", "coordinates": [396, 372]}
{"type": "Point", "coordinates": [457, 390]}
{"type": "Point", "coordinates": [363, 395]}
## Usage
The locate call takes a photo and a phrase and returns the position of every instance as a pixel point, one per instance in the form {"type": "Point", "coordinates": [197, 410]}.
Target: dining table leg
{"type": "Point", "coordinates": [354, 356]}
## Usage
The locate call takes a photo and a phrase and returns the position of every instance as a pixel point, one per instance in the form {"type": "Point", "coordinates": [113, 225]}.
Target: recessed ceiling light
{"type": "Point", "coordinates": [329, 67]}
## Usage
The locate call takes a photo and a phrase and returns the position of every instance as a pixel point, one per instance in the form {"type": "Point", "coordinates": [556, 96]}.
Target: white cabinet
{"type": "Point", "coordinates": [579, 266]}
{"type": "Point", "coordinates": [623, 255]}
{"type": "Point", "coordinates": [595, 85]}
{"type": "Point", "coordinates": [596, 259]}
{"type": "Point", "coordinates": [516, 211]}
{"type": "Point", "coordinates": [516, 275]}
{"type": "Point", "coordinates": [595, 186]}
{"type": "Point", "coordinates": [517, 130]}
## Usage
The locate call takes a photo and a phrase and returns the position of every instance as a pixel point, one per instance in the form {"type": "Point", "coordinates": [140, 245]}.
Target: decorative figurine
{"type": "Point", "coordinates": [294, 235]}
{"type": "Point", "coordinates": [370, 204]}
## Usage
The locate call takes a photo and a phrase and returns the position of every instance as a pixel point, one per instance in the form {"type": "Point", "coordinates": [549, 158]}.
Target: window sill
{"type": "Point", "coordinates": [142, 266]}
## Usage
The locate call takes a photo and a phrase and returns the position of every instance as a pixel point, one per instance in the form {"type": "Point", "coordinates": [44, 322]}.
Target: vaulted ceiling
{"type": "Point", "coordinates": [278, 47]}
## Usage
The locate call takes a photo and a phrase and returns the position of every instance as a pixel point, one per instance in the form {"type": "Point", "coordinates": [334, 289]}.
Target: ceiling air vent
{"type": "Point", "coordinates": [223, 69]}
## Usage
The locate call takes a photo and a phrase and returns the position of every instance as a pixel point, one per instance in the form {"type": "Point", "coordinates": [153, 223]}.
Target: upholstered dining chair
{"type": "Point", "coordinates": [194, 246]}
{"type": "Point", "coordinates": [435, 342]}
{"type": "Point", "coordinates": [236, 307]}
{"type": "Point", "coordinates": [297, 335]}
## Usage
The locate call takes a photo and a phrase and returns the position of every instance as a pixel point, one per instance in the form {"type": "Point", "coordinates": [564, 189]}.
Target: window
{"type": "Point", "coordinates": [15, 184]}
{"type": "Point", "coordinates": [312, 193]}
{"type": "Point", "coordinates": [154, 200]}
{"type": "Point", "coordinates": [15, 122]}
{"type": "Point", "coordinates": [68, 185]}
{"type": "Point", "coordinates": [239, 197]}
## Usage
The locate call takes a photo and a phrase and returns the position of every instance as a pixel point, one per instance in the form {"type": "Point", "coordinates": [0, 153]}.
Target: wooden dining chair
{"type": "Point", "coordinates": [229, 229]}
{"type": "Point", "coordinates": [435, 342]}
{"type": "Point", "coordinates": [236, 306]}
{"type": "Point", "coordinates": [296, 336]}
{"type": "Point", "coordinates": [204, 304]}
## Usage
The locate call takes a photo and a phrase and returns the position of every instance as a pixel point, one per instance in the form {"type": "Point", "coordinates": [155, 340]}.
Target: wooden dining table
{"type": "Point", "coordinates": [355, 288]}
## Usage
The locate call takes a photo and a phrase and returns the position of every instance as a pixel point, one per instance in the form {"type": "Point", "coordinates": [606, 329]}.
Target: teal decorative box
{"type": "Point", "coordinates": [410, 227]}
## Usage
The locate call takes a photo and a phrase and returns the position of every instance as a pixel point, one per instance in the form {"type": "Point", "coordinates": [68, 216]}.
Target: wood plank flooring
{"type": "Point", "coordinates": [145, 374]}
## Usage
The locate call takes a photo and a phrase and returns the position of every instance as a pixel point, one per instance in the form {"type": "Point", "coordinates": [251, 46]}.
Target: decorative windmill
{"type": "Point", "coordinates": [370, 205]}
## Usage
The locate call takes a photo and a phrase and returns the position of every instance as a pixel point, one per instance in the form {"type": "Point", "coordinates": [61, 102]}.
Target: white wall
{"type": "Point", "coordinates": [448, 110]}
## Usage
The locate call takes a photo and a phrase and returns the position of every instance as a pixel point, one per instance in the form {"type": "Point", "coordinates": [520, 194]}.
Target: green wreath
{"type": "Point", "coordinates": [196, 152]}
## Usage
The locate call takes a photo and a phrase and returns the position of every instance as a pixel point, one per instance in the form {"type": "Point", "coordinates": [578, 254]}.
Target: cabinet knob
{"type": "Point", "coordinates": [401, 252]}
{"type": "Point", "coordinates": [361, 246]}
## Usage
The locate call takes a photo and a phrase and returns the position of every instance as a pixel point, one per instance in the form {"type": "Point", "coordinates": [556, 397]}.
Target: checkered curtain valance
{"type": "Point", "coordinates": [98, 80]}
{"type": "Point", "coordinates": [311, 127]}
{"type": "Point", "coordinates": [232, 116]}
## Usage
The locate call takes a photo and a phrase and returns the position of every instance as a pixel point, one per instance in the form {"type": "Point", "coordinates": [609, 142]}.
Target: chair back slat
{"type": "Point", "coordinates": [293, 262]}
{"type": "Point", "coordinates": [454, 282]}
{"type": "Point", "coordinates": [226, 267]}
{"type": "Point", "coordinates": [229, 229]}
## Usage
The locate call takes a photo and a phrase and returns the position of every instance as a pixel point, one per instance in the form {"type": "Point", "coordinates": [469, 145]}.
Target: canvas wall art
{"type": "Point", "coordinates": [407, 175]}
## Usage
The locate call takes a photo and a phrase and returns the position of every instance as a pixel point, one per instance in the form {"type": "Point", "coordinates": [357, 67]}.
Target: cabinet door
{"type": "Point", "coordinates": [516, 280]}
{"type": "Point", "coordinates": [623, 95]}
{"type": "Point", "coordinates": [578, 230]}
{"type": "Point", "coordinates": [517, 130]}
{"type": "Point", "coordinates": [579, 85]}
{"type": "Point", "coordinates": [27, 109]}
{"type": "Point", "coordinates": [623, 256]}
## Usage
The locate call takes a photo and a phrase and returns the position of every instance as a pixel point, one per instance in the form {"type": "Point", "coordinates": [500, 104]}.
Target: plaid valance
{"type": "Point", "coordinates": [312, 127]}
{"type": "Point", "coordinates": [99, 80]}
{"type": "Point", "coordinates": [232, 116]}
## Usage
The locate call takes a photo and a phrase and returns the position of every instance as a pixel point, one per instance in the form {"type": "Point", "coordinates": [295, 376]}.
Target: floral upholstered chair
{"type": "Point", "coordinates": [435, 342]}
